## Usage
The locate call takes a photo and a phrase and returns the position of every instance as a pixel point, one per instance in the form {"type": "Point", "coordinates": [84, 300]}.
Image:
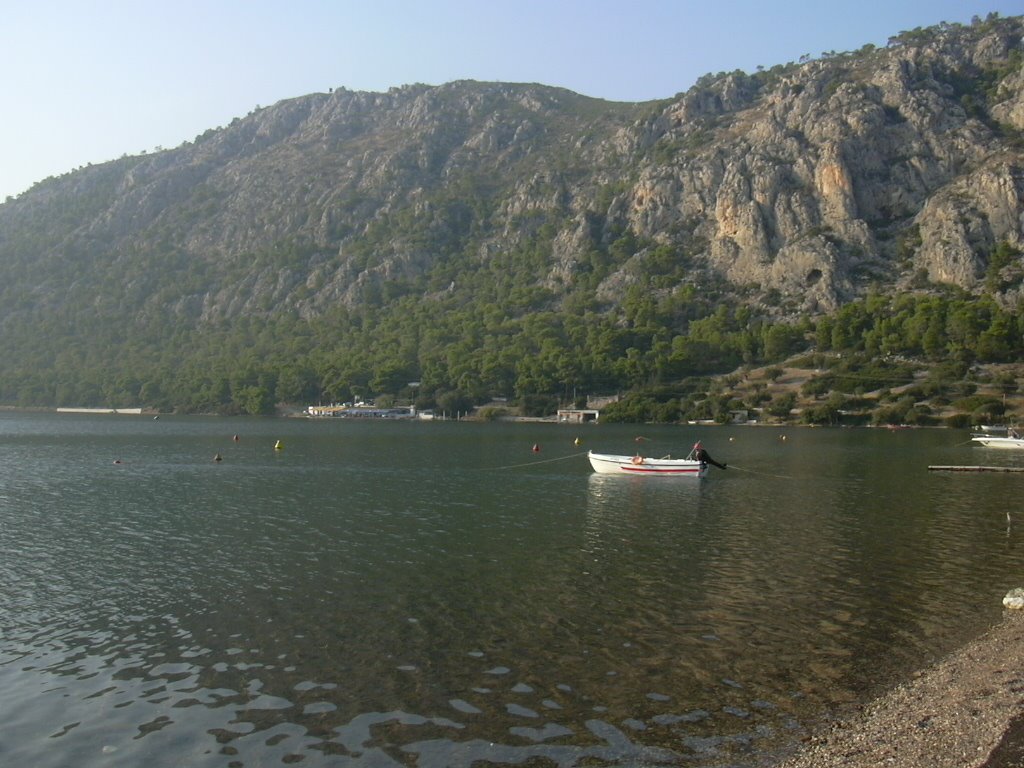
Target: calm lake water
{"type": "Point", "coordinates": [438, 594]}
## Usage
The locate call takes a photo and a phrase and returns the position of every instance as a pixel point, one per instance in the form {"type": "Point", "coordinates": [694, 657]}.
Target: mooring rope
{"type": "Point", "coordinates": [762, 474]}
{"type": "Point", "coordinates": [542, 461]}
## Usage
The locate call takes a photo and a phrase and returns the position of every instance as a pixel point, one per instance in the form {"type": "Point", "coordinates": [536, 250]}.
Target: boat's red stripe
{"type": "Point", "coordinates": [659, 471]}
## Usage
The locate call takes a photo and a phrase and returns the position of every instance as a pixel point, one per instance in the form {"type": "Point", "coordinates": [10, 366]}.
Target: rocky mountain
{"type": "Point", "coordinates": [791, 191]}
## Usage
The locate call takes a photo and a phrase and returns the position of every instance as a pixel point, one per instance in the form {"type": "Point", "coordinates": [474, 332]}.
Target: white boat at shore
{"type": "Point", "coordinates": [1012, 440]}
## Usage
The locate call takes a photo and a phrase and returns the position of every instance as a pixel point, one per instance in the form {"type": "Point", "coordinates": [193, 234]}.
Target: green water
{"type": "Point", "coordinates": [438, 594]}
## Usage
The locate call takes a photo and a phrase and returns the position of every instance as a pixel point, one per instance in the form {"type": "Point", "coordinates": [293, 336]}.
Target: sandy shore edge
{"type": "Point", "coordinates": [954, 713]}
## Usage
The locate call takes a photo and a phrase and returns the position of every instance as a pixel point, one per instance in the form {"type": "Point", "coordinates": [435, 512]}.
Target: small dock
{"type": "Point", "coordinates": [954, 468]}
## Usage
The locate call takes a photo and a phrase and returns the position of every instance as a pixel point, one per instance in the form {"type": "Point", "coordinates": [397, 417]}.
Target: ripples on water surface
{"type": "Point", "coordinates": [436, 594]}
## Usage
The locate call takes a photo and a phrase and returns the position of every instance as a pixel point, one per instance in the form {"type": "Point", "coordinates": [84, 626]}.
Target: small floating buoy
{"type": "Point", "coordinates": [577, 441]}
{"type": "Point", "coordinates": [536, 448]}
{"type": "Point", "coordinates": [278, 446]}
{"type": "Point", "coordinates": [117, 461]}
{"type": "Point", "coordinates": [235, 438]}
{"type": "Point", "coordinates": [216, 457]}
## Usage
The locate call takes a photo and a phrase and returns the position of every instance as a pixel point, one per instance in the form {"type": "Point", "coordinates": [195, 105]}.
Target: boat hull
{"type": "Point", "coordinates": [609, 464]}
{"type": "Point", "coordinates": [990, 441]}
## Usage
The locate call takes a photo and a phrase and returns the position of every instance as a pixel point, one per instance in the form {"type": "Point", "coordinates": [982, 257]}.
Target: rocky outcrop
{"type": "Point", "coordinates": [797, 186]}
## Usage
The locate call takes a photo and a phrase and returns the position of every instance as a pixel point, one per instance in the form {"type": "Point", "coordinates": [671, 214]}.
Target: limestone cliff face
{"type": "Point", "coordinates": [803, 182]}
{"type": "Point", "coordinates": [799, 187]}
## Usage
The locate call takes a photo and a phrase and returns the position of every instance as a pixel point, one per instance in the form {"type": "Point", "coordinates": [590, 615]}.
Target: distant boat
{"type": "Point", "coordinates": [694, 465]}
{"type": "Point", "coordinates": [1012, 440]}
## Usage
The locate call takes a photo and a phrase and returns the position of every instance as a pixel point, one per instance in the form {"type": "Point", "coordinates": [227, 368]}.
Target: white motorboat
{"type": "Point", "coordinates": [694, 465]}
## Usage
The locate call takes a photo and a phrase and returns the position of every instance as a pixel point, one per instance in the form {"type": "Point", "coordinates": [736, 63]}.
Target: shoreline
{"type": "Point", "coordinates": [294, 413]}
{"type": "Point", "coordinates": [965, 711]}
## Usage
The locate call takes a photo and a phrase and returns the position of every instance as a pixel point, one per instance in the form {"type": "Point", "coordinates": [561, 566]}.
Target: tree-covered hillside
{"type": "Point", "coordinates": [492, 240]}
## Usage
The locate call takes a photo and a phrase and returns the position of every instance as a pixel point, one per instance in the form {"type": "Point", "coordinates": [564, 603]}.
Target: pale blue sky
{"type": "Point", "coordinates": [85, 81]}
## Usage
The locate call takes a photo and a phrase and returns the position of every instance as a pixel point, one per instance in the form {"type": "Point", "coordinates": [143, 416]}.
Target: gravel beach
{"type": "Point", "coordinates": [966, 711]}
